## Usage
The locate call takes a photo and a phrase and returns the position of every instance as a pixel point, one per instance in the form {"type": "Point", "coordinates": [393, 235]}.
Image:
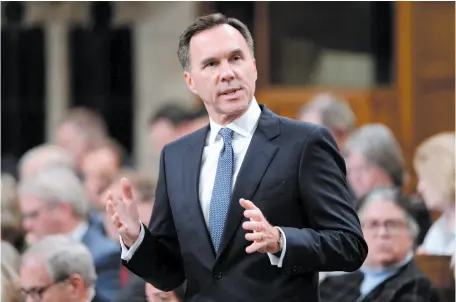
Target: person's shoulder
{"type": "Point", "coordinates": [297, 128]}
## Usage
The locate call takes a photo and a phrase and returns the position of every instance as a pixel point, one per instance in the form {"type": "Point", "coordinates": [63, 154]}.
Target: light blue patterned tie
{"type": "Point", "coordinates": [221, 194]}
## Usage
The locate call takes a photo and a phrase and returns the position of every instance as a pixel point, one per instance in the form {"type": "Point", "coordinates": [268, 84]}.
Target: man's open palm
{"type": "Point", "coordinates": [123, 212]}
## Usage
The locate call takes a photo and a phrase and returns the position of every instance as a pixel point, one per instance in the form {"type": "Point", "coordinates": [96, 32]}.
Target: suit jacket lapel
{"type": "Point", "coordinates": [259, 154]}
{"type": "Point", "coordinates": [191, 175]}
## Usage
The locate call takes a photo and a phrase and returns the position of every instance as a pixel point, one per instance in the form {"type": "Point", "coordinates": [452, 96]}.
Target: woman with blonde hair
{"type": "Point", "coordinates": [434, 163]}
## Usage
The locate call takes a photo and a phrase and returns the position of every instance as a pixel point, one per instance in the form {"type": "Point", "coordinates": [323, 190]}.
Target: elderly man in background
{"type": "Point", "coordinates": [43, 156]}
{"type": "Point", "coordinates": [389, 273]}
{"type": "Point", "coordinates": [374, 159]}
{"type": "Point", "coordinates": [54, 202]}
{"type": "Point", "coordinates": [332, 112]}
{"type": "Point", "coordinates": [57, 269]}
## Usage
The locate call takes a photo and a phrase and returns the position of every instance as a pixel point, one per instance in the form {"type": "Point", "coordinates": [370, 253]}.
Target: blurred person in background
{"type": "Point", "coordinates": [332, 112]}
{"type": "Point", "coordinates": [164, 123]}
{"type": "Point", "coordinates": [99, 168]}
{"type": "Point", "coordinates": [58, 269]}
{"type": "Point", "coordinates": [54, 202]}
{"type": "Point", "coordinates": [10, 281]}
{"type": "Point", "coordinates": [44, 156]}
{"type": "Point", "coordinates": [389, 273]}
{"type": "Point", "coordinates": [173, 121]}
{"type": "Point", "coordinates": [153, 294]}
{"type": "Point", "coordinates": [81, 131]}
{"type": "Point", "coordinates": [434, 163]}
{"type": "Point", "coordinates": [11, 224]}
{"type": "Point", "coordinates": [374, 159]}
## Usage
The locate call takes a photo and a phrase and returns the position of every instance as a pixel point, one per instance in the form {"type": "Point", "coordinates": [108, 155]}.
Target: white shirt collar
{"type": "Point", "coordinates": [245, 125]}
{"type": "Point", "coordinates": [78, 232]}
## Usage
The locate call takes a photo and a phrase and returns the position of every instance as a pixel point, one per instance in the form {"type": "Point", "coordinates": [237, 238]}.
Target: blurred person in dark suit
{"type": "Point", "coordinates": [332, 112]}
{"type": "Point", "coordinates": [54, 202]}
{"type": "Point", "coordinates": [58, 269]}
{"type": "Point", "coordinates": [375, 160]}
{"type": "Point", "coordinates": [217, 238]}
{"type": "Point", "coordinates": [81, 131]}
{"type": "Point", "coordinates": [389, 273]}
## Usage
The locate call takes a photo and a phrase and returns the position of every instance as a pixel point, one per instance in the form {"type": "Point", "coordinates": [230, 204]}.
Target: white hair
{"type": "Point", "coordinates": [44, 156]}
{"type": "Point", "coordinates": [394, 196]}
{"type": "Point", "coordinates": [335, 112]}
{"type": "Point", "coordinates": [63, 257]}
{"type": "Point", "coordinates": [377, 144]}
{"type": "Point", "coordinates": [58, 185]}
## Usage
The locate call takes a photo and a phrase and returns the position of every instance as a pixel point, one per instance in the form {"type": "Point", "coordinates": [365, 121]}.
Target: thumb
{"type": "Point", "coordinates": [127, 193]}
{"type": "Point", "coordinates": [247, 204]}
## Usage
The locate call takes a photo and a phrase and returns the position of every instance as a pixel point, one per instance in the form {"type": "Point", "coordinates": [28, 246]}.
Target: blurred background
{"type": "Point", "coordinates": [96, 77]}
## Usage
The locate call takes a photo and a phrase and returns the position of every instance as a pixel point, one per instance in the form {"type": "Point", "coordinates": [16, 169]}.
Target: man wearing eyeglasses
{"type": "Point", "coordinates": [388, 274]}
{"type": "Point", "coordinates": [57, 269]}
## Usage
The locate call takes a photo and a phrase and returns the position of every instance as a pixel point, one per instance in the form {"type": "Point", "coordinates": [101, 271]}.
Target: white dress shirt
{"type": "Point", "coordinates": [244, 127]}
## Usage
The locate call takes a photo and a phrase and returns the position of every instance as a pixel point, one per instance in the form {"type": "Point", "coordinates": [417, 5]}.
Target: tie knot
{"type": "Point", "coordinates": [227, 135]}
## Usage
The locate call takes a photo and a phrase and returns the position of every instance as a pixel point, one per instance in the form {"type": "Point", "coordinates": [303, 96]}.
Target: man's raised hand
{"type": "Point", "coordinates": [123, 212]}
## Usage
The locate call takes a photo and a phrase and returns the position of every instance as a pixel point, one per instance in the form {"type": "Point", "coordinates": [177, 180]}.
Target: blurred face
{"type": "Point", "coordinates": [38, 286]}
{"type": "Point", "coordinates": [99, 168]}
{"type": "Point", "coordinates": [161, 133]}
{"type": "Point", "coordinates": [68, 137]}
{"type": "Point", "coordinates": [386, 233]}
{"type": "Point", "coordinates": [155, 295]}
{"type": "Point", "coordinates": [431, 194]}
{"type": "Point", "coordinates": [361, 175]}
{"type": "Point", "coordinates": [41, 218]}
{"type": "Point", "coordinates": [223, 72]}
{"type": "Point", "coordinates": [311, 116]}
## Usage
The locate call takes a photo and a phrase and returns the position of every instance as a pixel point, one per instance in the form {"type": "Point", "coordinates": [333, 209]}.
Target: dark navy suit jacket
{"type": "Point", "coordinates": [106, 255]}
{"type": "Point", "coordinates": [294, 173]}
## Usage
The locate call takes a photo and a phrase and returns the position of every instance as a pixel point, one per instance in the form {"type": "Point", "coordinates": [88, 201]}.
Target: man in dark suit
{"type": "Point", "coordinates": [250, 207]}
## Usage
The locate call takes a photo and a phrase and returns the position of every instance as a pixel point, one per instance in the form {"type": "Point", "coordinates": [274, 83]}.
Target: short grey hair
{"type": "Point", "coordinates": [335, 112]}
{"type": "Point", "coordinates": [46, 155]}
{"type": "Point", "coordinates": [63, 257]}
{"type": "Point", "coordinates": [58, 185]}
{"type": "Point", "coordinates": [377, 144]}
{"type": "Point", "coordinates": [394, 196]}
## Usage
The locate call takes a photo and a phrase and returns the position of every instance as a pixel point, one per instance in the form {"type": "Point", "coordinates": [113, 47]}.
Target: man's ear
{"type": "Point", "coordinates": [255, 67]}
{"type": "Point", "coordinates": [190, 84]}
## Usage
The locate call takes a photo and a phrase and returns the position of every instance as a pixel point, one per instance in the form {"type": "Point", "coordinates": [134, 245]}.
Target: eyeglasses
{"type": "Point", "coordinates": [393, 226]}
{"type": "Point", "coordinates": [36, 293]}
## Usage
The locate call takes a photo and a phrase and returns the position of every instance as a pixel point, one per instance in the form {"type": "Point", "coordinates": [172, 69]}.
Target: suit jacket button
{"type": "Point", "coordinates": [218, 275]}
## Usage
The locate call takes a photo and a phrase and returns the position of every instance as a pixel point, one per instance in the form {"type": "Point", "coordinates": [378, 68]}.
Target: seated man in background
{"type": "Point", "coordinates": [374, 159]}
{"type": "Point", "coordinates": [58, 269]}
{"type": "Point", "coordinates": [332, 112]}
{"type": "Point", "coordinates": [44, 156]}
{"type": "Point", "coordinates": [172, 121]}
{"type": "Point", "coordinates": [54, 202]}
{"type": "Point", "coordinates": [389, 273]}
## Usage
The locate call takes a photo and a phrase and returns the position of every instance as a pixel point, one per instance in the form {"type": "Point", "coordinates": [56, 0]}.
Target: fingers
{"type": "Point", "coordinates": [247, 204]}
{"type": "Point", "coordinates": [253, 226]}
{"type": "Point", "coordinates": [127, 193]}
{"type": "Point", "coordinates": [257, 246]}
{"type": "Point", "coordinates": [254, 236]}
{"type": "Point", "coordinates": [255, 215]}
{"type": "Point", "coordinates": [109, 204]}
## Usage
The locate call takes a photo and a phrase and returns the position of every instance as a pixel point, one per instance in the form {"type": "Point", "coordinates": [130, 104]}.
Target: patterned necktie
{"type": "Point", "coordinates": [221, 194]}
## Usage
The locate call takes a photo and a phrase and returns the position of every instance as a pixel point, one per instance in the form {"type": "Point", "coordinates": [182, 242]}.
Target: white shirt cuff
{"type": "Point", "coordinates": [128, 253]}
{"type": "Point", "coordinates": [276, 260]}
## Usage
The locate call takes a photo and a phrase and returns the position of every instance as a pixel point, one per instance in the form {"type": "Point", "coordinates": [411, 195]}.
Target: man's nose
{"type": "Point", "coordinates": [226, 72]}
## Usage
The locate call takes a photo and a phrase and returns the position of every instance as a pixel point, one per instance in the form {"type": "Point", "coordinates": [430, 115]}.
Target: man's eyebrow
{"type": "Point", "coordinates": [236, 51]}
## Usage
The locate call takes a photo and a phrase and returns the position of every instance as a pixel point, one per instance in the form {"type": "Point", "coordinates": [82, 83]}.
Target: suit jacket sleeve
{"type": "Point", "coordinates": [158, 260]}
{"type": "Point", "coordinates": [334, 240]}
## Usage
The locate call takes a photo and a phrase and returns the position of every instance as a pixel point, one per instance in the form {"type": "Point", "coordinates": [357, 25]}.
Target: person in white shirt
{"type": "Point", "coordinates": [435, 166]}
